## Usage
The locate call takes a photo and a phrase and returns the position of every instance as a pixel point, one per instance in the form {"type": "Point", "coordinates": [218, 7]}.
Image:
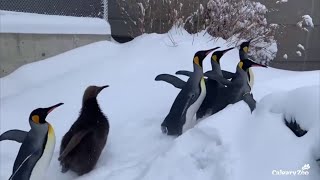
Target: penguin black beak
{"type": "Point", "coordinates": [49, 109]}
{"type": "Point", "coordinates": [210, 50]}
{"type": "Point", "coordinates": [258, 65]}
{"type": "Point", "coordinates": [225, 51]}
{"type": "Point", "coordinates": [101, 88]}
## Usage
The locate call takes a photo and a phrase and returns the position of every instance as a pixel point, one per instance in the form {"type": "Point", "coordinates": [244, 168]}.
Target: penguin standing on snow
{"type": "Point", "coordinates": [188, 101]}
{"type": "Point", "coordinates": [37, 146]}
{"type": "Point", "coordinates": [239, 88]}
{"type": "Point", "coordinates": [82, 145]}
{"type": "Point", "coordinates": [213, 101]}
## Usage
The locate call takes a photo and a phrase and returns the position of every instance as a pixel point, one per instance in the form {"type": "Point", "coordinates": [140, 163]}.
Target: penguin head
{"type": "Point", "coordinates": [244, 47]}
{"type": "Point", "coordinates": [201, 55]}
{"type": "Point", "coordinates": [245, 64]}
{"type": "Point", "coordinates": [38, 116]}
{"type": "Point", "coordinates": [92, 92]}
{"type": "Point", "coordinates": [216, 56]}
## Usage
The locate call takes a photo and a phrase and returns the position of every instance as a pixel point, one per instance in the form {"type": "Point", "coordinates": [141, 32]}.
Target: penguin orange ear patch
{"type": "Point", "coordinates": [214, 57]}
{"type": "Point", "coordinates": [240, 64]}
{"type": "Point", "coordinates": [246, 49]}
{"type": "Point", "coordinates": [196, 60]}
{"type": "Point", "coordinates": [35, 118]}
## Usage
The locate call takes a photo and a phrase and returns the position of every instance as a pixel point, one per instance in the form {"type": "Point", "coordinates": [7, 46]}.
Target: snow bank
{"type": "Point", "coordinates": [231, 144]}
{"type": "Point", "coordinates": [17, 22]}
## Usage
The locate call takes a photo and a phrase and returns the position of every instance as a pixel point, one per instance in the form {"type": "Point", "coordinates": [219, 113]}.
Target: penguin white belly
{"type": "Point", "coordinates": [192, 110]}
{"type": "Point", "coordinates": [251, 81]}
{"type": "Point", "coordinates": [43, 163]}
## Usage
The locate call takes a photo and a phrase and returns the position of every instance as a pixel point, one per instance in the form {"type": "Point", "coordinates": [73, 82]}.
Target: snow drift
{"type": "Point", "coordinates": [231, 144]}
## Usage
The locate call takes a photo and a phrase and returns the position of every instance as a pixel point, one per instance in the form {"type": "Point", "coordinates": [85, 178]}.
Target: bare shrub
{"type": "Point", "coordinates": [233, 20]}
{"type": "Point", "coordinates": [237, 20]}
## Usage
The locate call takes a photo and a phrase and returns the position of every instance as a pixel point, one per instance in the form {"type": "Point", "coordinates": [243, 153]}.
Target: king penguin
{"type": "Point", "coordinates": [215, 90]}
{"type": "Point", "coordinates": [239, 88]}
{"type": "Point", "coordinates": [82, 145]}
{"type": "Point", "coordinates": [37, 146]}
{"type": "Point", "coordinates": [189, 99]}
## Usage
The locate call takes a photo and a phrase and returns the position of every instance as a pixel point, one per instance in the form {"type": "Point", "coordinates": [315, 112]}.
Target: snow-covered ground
{"type": "Point", "coordinates": [18, 22]}
{"type": "Point", "coordinates": [230, 145]}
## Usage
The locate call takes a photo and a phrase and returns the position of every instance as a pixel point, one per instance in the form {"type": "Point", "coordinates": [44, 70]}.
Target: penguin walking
{"type": "Point", "coordinates": [215, 86]}
{"type": "Point", "coordinates": [82, 145]}
{"type": "Point", "coordinates": [189, 99]}
{"type": "Point", "coordinates": [239, 88]}
{"type": "Point", "coordinates": [37, 146]}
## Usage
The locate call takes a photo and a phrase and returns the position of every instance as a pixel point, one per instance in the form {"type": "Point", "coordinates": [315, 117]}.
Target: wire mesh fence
{"type": "Point", "coordinates": [80, 8]}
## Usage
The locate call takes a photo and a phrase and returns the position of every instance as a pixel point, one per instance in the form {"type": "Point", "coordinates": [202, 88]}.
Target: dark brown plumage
{"type": "Point", "coordinates": [82, 145]}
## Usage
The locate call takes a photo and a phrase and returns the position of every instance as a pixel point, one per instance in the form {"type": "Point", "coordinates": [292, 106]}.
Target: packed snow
{"type": "Point", "coordinates": [18, 22]}
{"type": "Point", "coordinates": [300, 46]}
{"type": "Point", "coordinates": [299, 53]}
{"type": "Point", "coordinates": [306, 23]}
{"type": "Point", "coordinates": [231, 144]}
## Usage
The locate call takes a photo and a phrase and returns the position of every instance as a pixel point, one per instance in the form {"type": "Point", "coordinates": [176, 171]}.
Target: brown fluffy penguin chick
{"type": "Point", "coordinates": [82, 145]}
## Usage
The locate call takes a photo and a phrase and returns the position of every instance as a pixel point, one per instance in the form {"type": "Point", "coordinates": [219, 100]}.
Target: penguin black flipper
{"type": "Point", "coordinates": [213, 76]}
{"type": "Point", "coordinates": [25, 163]}
{"type": "Point", "coordinates": [14, 135]}
{"type": "Point", "coordinates": [74, 141]}
{"type": "Point", "coordinates": [227, 74]}
{"type": "Point", "coordinates": [175, 81]}
{"type": "Point", "coordinates": [248, 98]}
{"type": "Point", "coordinates": [184, 72]}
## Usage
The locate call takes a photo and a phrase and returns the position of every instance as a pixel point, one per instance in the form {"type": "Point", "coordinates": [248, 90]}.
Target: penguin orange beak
{"type": "Point", "coordinates": [210, 50]}
{"type": "Point", "coordinates": [53, 107]}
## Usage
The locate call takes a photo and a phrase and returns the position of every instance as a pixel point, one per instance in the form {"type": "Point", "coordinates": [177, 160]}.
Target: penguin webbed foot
{"type": "Point", "coordinates": [184, 72]}
{"type": "Point", "coordinates": [14, 135]}
{"type": "Point", "coordinates": [171, 79]}
{"type": "Point", "coordinates": [213, 76]}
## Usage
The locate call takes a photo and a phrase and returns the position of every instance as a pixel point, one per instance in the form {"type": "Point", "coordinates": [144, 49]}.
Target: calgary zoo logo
{"type": "Point", "coordinates": [300, 172]}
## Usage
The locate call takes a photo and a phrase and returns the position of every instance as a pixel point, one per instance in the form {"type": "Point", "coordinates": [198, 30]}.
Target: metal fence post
{"type": "Point", "coordinates": [105, 9]}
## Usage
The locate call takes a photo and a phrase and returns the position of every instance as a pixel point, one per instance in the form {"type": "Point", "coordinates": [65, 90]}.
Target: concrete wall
{"type": "Point", "coordinates": [19, 49]}
{"type": "Point", "coordinates": [290, 35]}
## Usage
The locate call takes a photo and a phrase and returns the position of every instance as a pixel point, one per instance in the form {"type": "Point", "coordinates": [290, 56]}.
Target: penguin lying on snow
{"type": "Point", "coordinates": [82, 145]}
{"type": "Point", "coordinates": [37, 146]}
{"type": "Point", "coordinates": [188, 101]}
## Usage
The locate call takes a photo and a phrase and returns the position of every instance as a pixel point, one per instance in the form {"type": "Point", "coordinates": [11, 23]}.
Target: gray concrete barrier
{"type": "Point", "coordinates": [17, 49]}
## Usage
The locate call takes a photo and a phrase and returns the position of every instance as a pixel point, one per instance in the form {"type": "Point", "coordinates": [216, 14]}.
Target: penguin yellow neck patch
{"type": "Point", "coordinates": [36, 119]}
{"type": "Point", "coordinates": [240, 64]}
{"type": "Point", "coordinates": [196, 61]}
{"type": "Point", "coordinates": [215, 58]}
{"type": "Point", "coordinates": [246, 49]}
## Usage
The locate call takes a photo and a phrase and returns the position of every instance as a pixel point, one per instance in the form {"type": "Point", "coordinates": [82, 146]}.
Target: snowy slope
{"type": "Point", "coordinates": [18, 22]}
{"type": "Point", "coordinates": [230, 145]}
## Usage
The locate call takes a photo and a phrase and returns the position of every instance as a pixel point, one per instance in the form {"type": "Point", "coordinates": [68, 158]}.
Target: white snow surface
{"type": "Point", "coordinates": [232, 144]}
{"type": "Point", "coordinates": [299, 53]}
{"type": "Point", "coordinates": [300, 46]}
{"type": "Point", "coordinates": [18, 22]}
